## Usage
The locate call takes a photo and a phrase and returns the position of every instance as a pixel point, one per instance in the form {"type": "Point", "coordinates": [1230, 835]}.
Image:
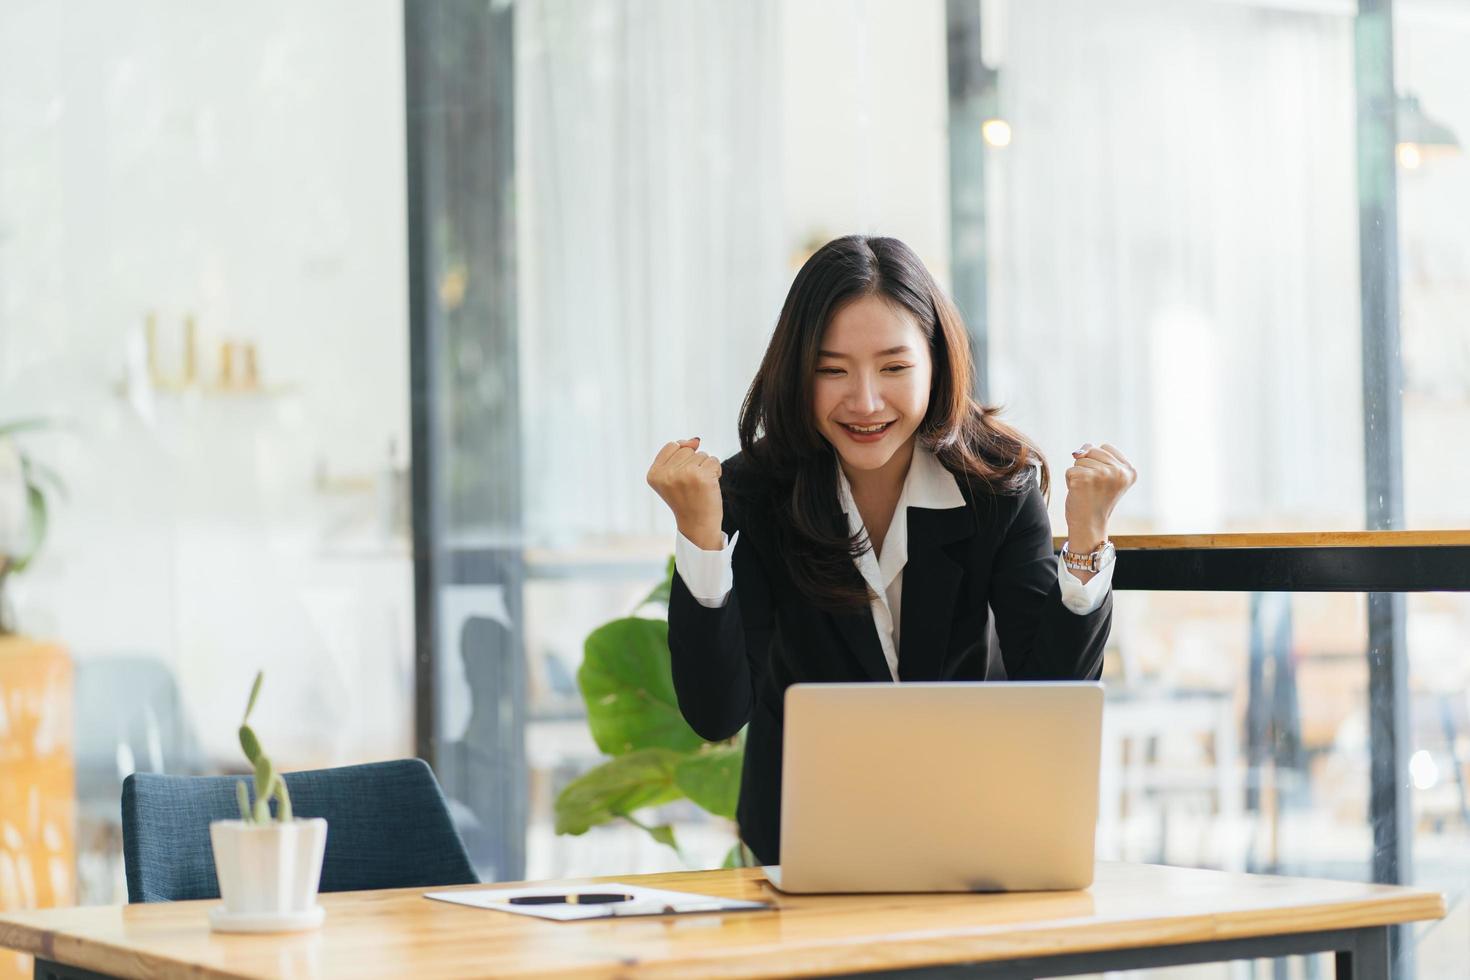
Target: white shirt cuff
{"type": "Point", "coordinates": [709, 575]}
{"type": "Point", "coordinates": [1081, 598]}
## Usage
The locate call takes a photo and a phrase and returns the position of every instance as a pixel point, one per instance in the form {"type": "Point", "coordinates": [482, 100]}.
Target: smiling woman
{"type": "Point", "coordinates": [871, 394]}
{"type": "Point", "coordinates": [865, 461]}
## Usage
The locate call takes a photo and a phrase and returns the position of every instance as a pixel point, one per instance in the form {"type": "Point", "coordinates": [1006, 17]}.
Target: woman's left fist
{"type": "Point", "coordinates": [1096, 481]}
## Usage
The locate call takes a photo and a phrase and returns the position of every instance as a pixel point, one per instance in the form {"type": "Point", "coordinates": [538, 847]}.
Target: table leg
{"type": "Point", "coordinates": [1368, 959]}
{"type": "Point", "coordinates": [47, 970]}
{"type": "Point", "coordinates": [1362, 954]}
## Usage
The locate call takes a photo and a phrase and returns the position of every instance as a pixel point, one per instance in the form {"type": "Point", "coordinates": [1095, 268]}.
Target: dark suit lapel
{"type": "Point", "coordinates": [931, 583]}
{"type": "Point", "coordinates": [861, 636]}
{"type": "Point", "coordinates": [855, 626]}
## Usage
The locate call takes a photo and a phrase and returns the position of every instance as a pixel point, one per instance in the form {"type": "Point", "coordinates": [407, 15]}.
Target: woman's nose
{"type": "Point", "coordinates": [864, 398]}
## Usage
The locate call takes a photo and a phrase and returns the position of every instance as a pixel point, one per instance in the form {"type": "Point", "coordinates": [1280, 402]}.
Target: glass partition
{"type": "Point", "coordinates": [203, 293]}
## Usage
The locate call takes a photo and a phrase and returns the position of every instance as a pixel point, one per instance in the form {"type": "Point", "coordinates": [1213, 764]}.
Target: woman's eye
{"type": "Point", "coordinates": [829, 371]}
{"type": "Point", "coordinates": [896, 368]}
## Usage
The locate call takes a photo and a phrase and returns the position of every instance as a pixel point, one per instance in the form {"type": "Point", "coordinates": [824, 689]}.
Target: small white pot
{"type": "Point", "coordinates": [270, 870]}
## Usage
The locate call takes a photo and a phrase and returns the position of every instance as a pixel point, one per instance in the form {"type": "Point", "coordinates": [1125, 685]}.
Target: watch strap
{"type": "Point", "coordinates": [1089, 562]}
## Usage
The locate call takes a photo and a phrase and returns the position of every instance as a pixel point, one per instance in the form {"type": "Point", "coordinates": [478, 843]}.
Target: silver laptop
{"type": "Point", "coordinates": [939, 787]}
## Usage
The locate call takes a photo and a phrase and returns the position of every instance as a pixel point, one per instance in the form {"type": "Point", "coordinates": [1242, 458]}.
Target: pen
{"type": "Point", "coordinates": [586, 898]}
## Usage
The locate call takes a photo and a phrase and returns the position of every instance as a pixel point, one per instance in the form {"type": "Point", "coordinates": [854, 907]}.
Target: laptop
{"type": "Point", "coordinates": [939, 787]}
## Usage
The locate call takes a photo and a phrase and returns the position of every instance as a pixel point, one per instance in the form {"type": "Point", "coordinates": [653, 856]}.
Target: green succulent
{"type": "Point", "coordinates": [268, 782]}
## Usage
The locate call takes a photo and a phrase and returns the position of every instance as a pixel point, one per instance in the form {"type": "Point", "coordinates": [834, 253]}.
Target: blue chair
{"type": "Point", "coordinates": [387, 827]}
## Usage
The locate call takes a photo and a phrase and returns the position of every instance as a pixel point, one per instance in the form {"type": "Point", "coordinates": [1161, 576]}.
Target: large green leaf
{"type": "Point", "coordinates": [711, 778]}
{"type": "Point", "coordinates": [739, 856]}
{"type": "Point", "coordinates": [616, 789]}
{"type": "Point", "coordinates": [664, 834]}
{"type": "Point", "coordinates": [628, 685]}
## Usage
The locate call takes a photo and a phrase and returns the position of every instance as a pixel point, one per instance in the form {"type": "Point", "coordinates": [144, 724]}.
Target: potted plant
{"type": "Point", "coordinates": [627, 684]}
{"type": "Point", "coordinates": [37, 767]}
{"type": "Point", "coordinates": [25, 485]}
{"type": "Point", "coordinates": [268, 866]}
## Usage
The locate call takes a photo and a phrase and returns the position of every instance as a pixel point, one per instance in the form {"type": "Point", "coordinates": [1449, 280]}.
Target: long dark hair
{"type": "Point", "coordinates": [798, 467]}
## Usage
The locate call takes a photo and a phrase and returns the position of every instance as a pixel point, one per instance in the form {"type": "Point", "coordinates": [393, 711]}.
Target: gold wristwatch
{"type": "Point", "coordinates": [1091, 562]}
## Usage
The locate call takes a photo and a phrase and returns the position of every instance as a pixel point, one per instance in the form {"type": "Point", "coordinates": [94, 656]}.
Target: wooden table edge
{"type": "Point", "coordinates": [909, 949]}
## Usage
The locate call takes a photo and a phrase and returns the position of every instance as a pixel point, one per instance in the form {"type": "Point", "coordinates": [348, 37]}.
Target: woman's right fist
{"type": "Point", "coordinates": [689, 482]}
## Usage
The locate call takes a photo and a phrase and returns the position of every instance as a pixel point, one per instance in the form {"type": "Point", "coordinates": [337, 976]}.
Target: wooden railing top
{"type": "Point", "coordinates": [1289, 539]}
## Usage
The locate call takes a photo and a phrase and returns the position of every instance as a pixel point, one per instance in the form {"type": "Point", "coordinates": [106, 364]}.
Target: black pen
{"type": "Point", "coordinates": [586, 898]}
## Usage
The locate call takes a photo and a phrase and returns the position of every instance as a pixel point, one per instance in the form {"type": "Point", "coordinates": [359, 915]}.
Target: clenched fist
{"type": "Point", "coordinates": [1096, 481]}
{"type": "Point", "coordinates": [689, 482]}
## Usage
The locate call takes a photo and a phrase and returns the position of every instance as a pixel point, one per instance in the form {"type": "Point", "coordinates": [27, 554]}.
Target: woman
{"type": "Point", "coordinates": [873, 500]}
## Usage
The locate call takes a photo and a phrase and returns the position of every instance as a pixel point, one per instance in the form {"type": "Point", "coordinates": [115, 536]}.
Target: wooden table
{"type": "Point", "coordinates": [1133, 916]}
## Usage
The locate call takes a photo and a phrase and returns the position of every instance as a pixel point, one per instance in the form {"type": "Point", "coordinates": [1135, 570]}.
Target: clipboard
{"type": "Point", "coordinates": [641, 902]}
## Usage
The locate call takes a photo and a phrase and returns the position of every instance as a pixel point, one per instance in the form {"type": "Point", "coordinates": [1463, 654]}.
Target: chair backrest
{"type": "Point", "coordinates": [387, 827]}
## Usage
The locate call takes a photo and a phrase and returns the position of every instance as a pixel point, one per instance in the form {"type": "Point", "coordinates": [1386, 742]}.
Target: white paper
{"type": "Point", "coordinates": [646, 901]}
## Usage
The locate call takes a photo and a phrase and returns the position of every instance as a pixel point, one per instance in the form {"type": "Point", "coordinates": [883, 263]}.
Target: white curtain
{"type": "Point", "coordinates": [651, 259]}
{"type": "Point", "coordinates": [1174, 254]}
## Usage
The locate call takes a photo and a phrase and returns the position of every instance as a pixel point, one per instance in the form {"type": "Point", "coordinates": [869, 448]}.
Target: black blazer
{"type": "Point", "coordinates": [732, 664]}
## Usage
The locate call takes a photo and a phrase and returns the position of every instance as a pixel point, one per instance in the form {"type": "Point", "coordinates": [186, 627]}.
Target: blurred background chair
{"type": "Point", "coordinates": [387, 827]}
{"type": "Point", "coordinates": [129, 717]}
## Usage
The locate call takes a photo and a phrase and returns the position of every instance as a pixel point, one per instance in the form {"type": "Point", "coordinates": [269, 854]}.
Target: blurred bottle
{"type": "Point", "coordinates": [226, 364]}
{"type": "Point", "coordinates": [393, 494]}
{"type": "Point", "coordinates": [191, 351]}
{"type": "Point", "coordinates": [251, 370]}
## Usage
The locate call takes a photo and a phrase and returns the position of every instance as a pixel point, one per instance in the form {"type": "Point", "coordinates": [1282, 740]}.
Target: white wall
{"type": "Point", "coordinates": [244, 164]}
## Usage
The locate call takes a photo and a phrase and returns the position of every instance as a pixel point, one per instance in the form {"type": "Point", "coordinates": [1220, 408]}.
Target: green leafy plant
{"type": "Point", "coordinates": [23, 528]}
{"type": "Point", "coordinates": [627, 684]}
{"type": "Point", "coordinates": [268, 782]}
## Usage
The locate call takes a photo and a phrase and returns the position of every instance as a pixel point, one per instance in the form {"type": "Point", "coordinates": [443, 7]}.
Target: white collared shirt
{"type": "Point", "coordinates": [709, 575]}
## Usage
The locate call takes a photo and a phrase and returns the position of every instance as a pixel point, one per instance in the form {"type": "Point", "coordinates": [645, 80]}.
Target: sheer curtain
{"type": "Point", "coordinates": [651, 261]}
{"type": "Point", "coordinates": [1175, 254]}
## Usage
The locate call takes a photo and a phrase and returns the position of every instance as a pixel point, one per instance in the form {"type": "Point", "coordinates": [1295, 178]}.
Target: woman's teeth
{"type": "Point", "coordinates": [867, 430]}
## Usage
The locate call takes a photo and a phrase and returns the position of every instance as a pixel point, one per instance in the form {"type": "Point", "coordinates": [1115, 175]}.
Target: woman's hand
{"type": "Point", "coordinates": [689, 482]}
{"type": "Point", "coordinates": [1096, 481]}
